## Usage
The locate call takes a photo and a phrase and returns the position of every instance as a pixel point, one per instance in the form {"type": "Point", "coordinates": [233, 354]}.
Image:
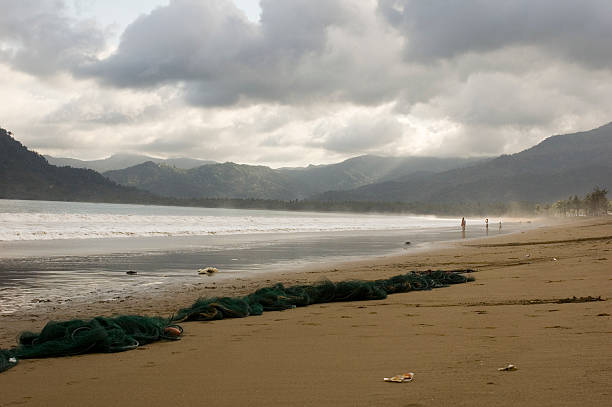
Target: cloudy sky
{"type": "Point", "coordinates": [293, 82]}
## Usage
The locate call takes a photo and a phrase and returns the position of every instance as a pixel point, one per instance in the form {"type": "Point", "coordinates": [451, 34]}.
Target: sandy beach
{"type": "Point", "coordinates": [454, 339]}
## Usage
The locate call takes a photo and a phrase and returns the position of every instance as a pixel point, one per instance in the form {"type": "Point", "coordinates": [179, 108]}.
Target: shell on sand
{"type": "Point", "coordinates": [208, 270]}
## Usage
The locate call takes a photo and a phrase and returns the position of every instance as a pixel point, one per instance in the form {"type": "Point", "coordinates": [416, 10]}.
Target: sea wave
{"type": "Point", "coordinates": [92, 222]}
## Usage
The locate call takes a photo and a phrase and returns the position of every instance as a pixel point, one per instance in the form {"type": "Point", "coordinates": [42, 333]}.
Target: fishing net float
{"type": "Point", "coordinates": [127, 332]}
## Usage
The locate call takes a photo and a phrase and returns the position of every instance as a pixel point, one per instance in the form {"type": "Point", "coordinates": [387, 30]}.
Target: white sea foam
{"type": "Point", "coordinates": [37, 220]}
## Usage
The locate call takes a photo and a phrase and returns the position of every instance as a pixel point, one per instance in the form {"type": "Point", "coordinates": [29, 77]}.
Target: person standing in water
{"type": "Point", "coordinates": [462, 223]}
{"type": "Point", "coordinates": [487, 225]}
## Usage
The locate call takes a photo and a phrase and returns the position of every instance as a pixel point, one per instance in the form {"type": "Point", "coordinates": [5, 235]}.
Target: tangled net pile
{"type": "Point", "coordinates": [127, 332]}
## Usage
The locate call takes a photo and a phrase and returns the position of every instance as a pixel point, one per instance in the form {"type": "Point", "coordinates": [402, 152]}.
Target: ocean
{"type": "Point", "coordinates": [66, 251]}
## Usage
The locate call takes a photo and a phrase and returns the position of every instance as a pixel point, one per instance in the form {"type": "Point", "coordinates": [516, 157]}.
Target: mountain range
{"type": "Point", "coordinates": [230, 180]}
{"type": "Point", "coordinates": [120, 161]}
{"type": "Point", "coordinates": [557, 167]}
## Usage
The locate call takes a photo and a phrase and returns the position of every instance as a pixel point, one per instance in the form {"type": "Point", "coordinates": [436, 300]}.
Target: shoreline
{"type": "Point", "coordinates": [453, 339]}
{"type": "Point", "coordinates": [58, 274]}
{"type": "Point", "coordinates": [47, 247]}
{"type": "Point", "coordinates": [162, 299]}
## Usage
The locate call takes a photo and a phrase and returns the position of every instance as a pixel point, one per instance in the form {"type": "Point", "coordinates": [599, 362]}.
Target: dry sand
{"type": "Point", "coordinates": [454, 339]}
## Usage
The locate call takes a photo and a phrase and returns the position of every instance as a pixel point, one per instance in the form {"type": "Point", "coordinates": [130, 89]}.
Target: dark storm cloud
{"type": "Point", "coordinates": [220, 57]}
{"type": "Point", "coordinates": [188, 40]}
{"type": "Point", "coordinates": [39, 38]}
{"type": "Point", "coordinates": [308, 51]}
{"type": "Point", "coordinates": [293, 28]}
{"type": "Point", "coordinates": [208, 41]}
{"type": "Point", "coordinates": [580, 31]}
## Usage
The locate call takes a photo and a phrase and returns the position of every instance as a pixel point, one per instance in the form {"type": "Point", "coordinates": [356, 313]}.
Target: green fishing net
{"type": "Point", "coordinates": [117, 334]}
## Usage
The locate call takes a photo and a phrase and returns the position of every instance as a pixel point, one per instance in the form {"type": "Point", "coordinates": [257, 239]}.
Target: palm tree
{"type": "Point", "coordinates": [596, 201]}
{"type": "Point", "coordinates": [576, 205]}
{"type": "Point", "coordinates": [561, 206]}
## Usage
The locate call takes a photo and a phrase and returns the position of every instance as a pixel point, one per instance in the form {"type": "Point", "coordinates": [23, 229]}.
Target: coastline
{"type": "Point", "coordinates": [454, 339]}
{"type": "Point", "coordinates": [41, 277]}
{"type": "Point", "coordinates": [155, 298]}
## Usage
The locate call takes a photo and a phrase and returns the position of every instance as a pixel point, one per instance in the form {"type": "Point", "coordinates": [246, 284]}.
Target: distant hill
{"type": "Point", "coordinates": [226, 180]}
{"type": "Point", "coordinates": [552, 170]}
{"type": "Point", "coordinates": [230, 180]}
{"type": "Point", "coordinates": [120, 161]}
{"type": "Point", "coordinates": [368, 169]}
{"type": "Point", "coordinates": [27, 175]}
{"type": "Point", "coordinates": [557, 167]}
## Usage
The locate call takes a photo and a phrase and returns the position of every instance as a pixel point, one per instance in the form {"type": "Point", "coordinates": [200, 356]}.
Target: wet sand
{"type": "Point", "coordinates": [84, 271]}
{"type": "Point", "coordinates": [454, 339]}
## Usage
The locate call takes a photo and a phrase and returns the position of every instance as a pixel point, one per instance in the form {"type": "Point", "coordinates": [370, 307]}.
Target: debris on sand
{"type": "Point", "coordinates": [509, 368]}
{"type": "Point", "coordinates": [400, 378]}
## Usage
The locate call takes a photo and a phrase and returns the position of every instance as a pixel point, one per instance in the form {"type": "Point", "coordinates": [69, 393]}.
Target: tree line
{"type": "Point", "coordinates": [594, 203]}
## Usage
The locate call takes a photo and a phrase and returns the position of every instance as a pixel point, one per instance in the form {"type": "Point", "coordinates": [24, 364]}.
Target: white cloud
{"type": "Point", "coordinates": [311, 81]}
{"type": "Point", "coordinates": [42, 39]}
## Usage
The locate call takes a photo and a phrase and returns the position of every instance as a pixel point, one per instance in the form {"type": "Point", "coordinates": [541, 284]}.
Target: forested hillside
{"type": "Point", "coordinates": [25, 174]}
{"type": "Point", "coordinates": [554, 169]}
